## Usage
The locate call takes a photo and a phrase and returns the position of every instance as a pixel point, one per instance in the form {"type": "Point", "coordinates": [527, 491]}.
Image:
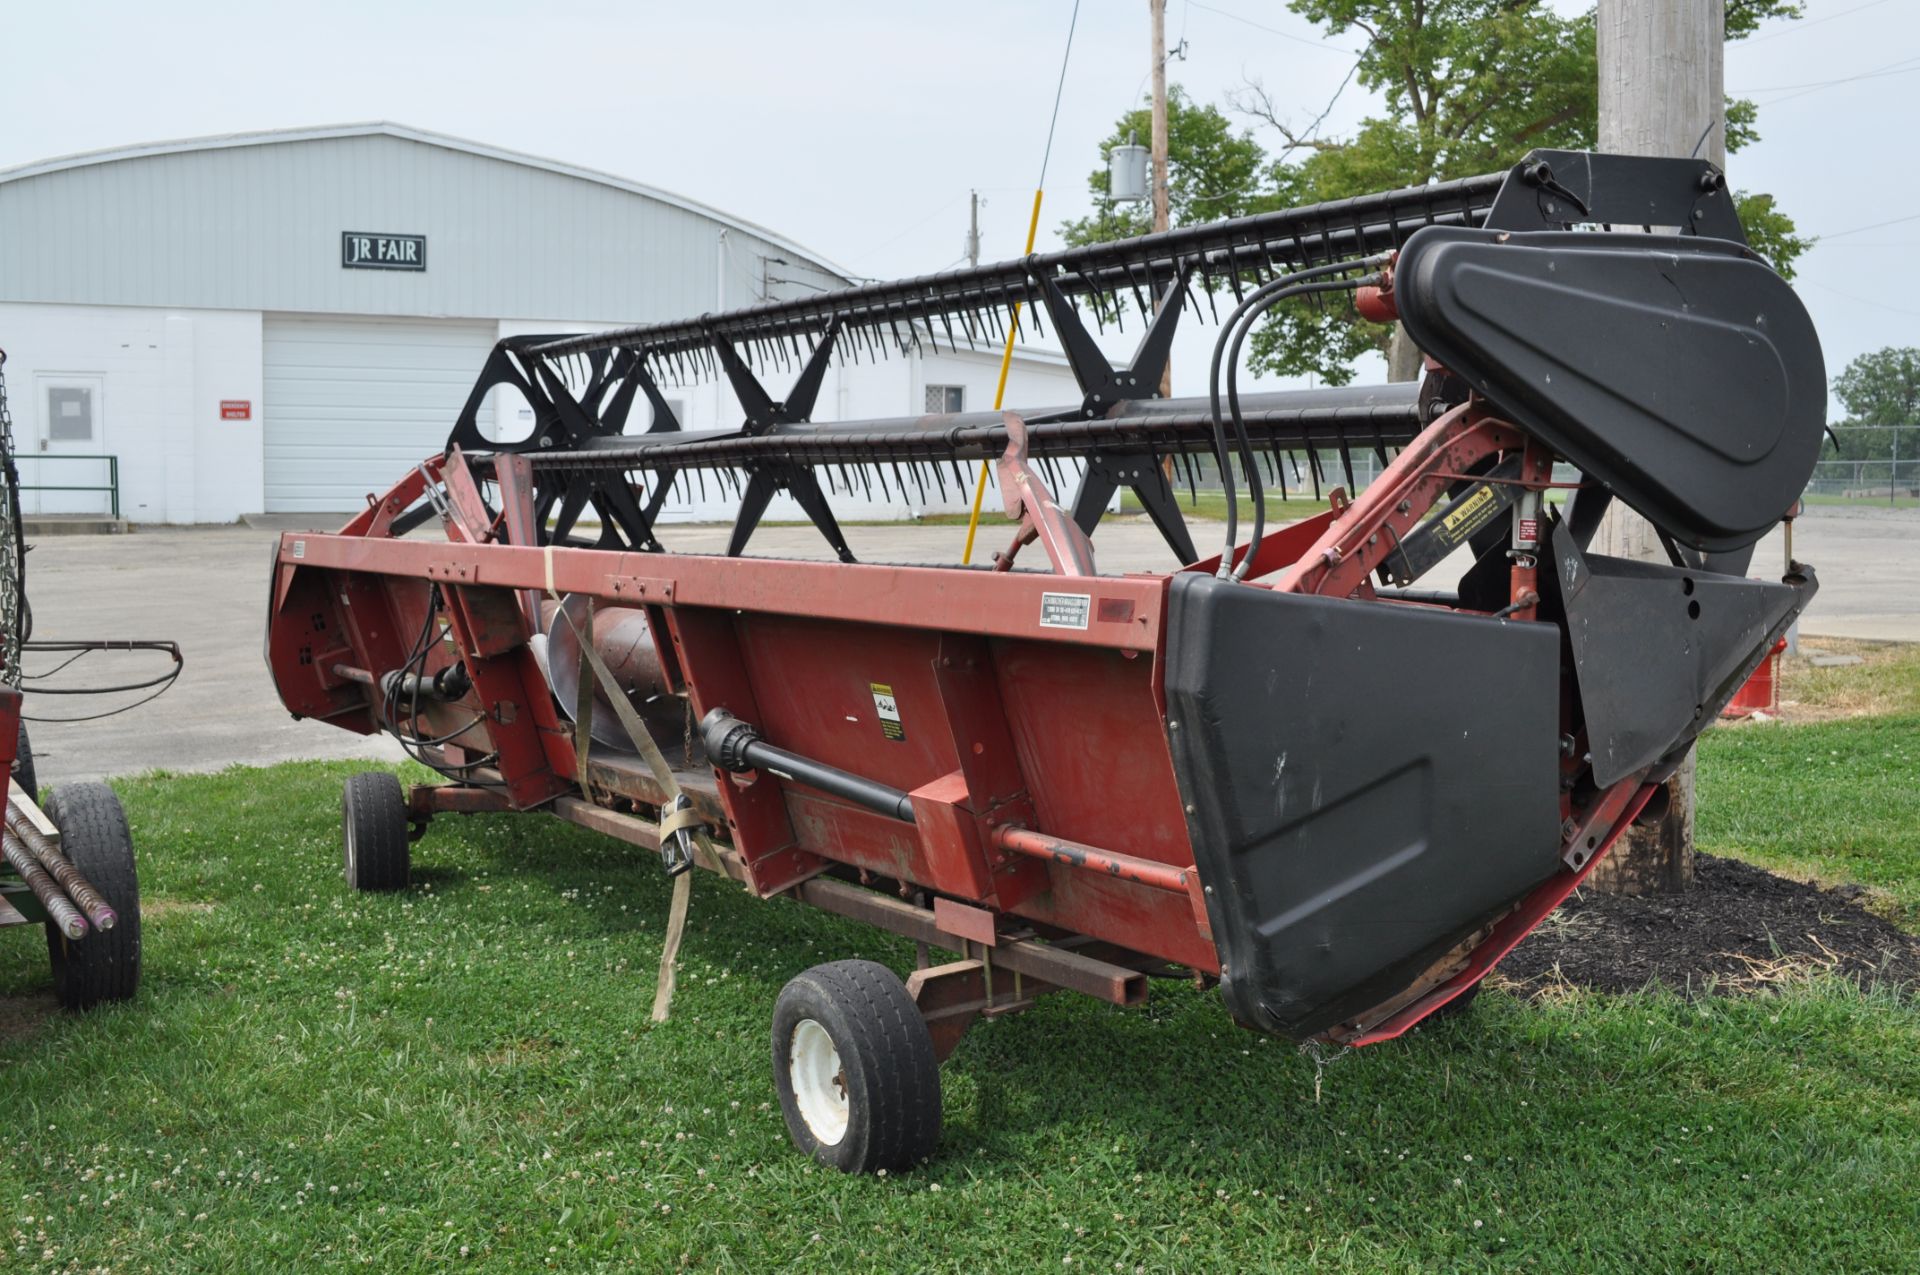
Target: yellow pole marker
{"type": "Point", "coordinates": [1000, 390]}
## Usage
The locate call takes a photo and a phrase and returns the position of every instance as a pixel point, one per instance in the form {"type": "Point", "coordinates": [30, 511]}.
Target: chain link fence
{"type": "Point", "coordinates": [1868, 465]}
{"type": "Point", "coordinates": [1860, 465]}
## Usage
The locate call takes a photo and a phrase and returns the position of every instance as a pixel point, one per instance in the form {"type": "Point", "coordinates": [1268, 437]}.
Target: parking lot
{"type": "Point", "coordinates": [207, 590]}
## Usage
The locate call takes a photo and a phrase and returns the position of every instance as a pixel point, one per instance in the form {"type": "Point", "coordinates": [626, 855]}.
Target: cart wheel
{"type": "Point", "coordinates": [854, 1066]}
{"type": "Point", "coordinates": [105, 965]}
{"type": "Point", "coordinates": [23, 766]}
{"type": "Point", "coordinates": [373, 827]}
{"type": "Point", "coordinates": [1457, 1007]}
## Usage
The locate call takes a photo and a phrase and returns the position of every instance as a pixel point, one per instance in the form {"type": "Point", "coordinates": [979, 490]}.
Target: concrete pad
{"type": "Point", "coordinates": [37, 525]}
{"type": "Point", "coordinates": [206, 588]}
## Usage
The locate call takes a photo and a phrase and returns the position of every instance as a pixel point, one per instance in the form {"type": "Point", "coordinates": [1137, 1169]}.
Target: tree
{"type": "Point", "coordinates": [1212, 173]}
{"type": "Point", "coordinates": [1880, 389]}
{"type": "Point", "coordinates": [1467, 87]}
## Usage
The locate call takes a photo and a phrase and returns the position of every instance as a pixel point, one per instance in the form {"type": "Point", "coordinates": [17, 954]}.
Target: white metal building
{"type": "Point", "coordinates": [283, 322]}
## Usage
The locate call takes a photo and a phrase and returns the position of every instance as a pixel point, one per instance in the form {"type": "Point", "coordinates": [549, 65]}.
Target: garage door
{"type": "Point", "coordinates": [352, 404]}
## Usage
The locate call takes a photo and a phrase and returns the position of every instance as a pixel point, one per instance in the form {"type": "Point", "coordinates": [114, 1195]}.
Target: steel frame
{"type": "Point", "coordinates": [1029, 816]}
{"type": "Point", "coordinates": [1001, 710]}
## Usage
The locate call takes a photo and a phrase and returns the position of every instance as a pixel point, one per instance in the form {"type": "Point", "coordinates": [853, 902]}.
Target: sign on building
{"type": "Point", "coordinates": [362, 251]}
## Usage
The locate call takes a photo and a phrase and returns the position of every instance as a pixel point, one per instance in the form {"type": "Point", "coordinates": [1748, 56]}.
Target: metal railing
{"type": "Point", "coordinates": [111, 486]}
{"type": "Point", "coordinates": [1868, 465]}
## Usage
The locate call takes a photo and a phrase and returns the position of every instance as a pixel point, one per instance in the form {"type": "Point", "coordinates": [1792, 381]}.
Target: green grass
{"type": "Point", "coordinates": [1885, 683]}
{"type": "Point", "coordinates": [1213, 504]}
{"type": "Point", "coordinates": [1862, 502]}
{"type": "Point", "coordinates": [464, 1076]}
{"type": "Point", "coordinates": [1836, 800]}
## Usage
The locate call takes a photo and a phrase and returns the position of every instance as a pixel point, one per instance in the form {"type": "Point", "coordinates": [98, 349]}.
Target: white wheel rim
{"type": "Point", "coordinates": [819, 1083]}
{"type": "Point", "coordinates": [350, 853]}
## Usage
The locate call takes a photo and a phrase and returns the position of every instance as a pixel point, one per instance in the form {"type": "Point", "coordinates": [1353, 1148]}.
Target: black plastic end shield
{"type": "Point", "coordinates": [1352, 824]}
{"type": "Point", "coordinates": [1659, 650]}
{"type": "Point", "coordinates": [1680, 371]}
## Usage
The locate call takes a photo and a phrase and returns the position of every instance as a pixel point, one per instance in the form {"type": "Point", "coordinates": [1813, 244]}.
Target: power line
{"type": "Point", "coordinates": [1796, 28]}
{"type": "Point", "coordinates": [1842, 234]}
{"type": "Point", "coordinates": [1845, 79]}
{"type": "Point", "coordinates": [1059, 88]}
{"type": "Point", "coordinates": [1880, 305]}
{"type": "Point", "coordinates": [888, 243]}
{"type": "Point", "coordinates": [1892, 68]}
{"type": "Point", "coordinates": [1284, 35]}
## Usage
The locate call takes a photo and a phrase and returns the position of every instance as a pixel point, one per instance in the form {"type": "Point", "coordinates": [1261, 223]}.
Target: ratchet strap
{"type": "Point", "coordinates": [672, 820]}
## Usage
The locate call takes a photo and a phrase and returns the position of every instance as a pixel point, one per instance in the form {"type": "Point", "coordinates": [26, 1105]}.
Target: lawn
{"type": "Point", "coordinates": [1837, 799]}
{"type": "Point", "coordinates": [464, 1076]}
{"type": "Point", "coordinates": [1213, 504]}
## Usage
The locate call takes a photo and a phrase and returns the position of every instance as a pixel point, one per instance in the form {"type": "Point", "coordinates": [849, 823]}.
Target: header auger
{"type": "Point", "coordinates": [1303, 767]}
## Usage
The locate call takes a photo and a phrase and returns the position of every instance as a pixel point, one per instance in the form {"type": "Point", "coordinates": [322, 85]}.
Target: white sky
{"type": "Point", "coordinates": [858, 127]}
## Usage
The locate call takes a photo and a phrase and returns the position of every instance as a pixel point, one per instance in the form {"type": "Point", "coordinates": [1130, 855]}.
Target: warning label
{"type": "Point", "coordinates": [888, 710]}
{"type": "Point", "coordinates": [1467, 517]}
{"type": "Point", "coordinates": [1065, 610]}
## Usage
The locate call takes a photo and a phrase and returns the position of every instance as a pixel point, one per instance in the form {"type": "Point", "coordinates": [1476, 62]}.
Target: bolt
{"type": "Point", "coordinates": [1190, 810]}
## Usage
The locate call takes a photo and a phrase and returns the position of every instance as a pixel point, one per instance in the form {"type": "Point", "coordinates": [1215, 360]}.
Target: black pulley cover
{"type": "Point", "coordinates": [1680, 371]}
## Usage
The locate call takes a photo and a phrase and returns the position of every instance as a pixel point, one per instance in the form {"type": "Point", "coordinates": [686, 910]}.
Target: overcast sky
{"type": "Point", "coordinates": [858, 127]}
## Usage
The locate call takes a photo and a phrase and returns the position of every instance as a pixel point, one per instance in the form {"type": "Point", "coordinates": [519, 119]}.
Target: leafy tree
{"type": "Point", "coordinates": [1212, 172]}
{"type": "Point", "coordinates": [1467, 86]}
{"type": "Point", "coordinates": [1881, 388]}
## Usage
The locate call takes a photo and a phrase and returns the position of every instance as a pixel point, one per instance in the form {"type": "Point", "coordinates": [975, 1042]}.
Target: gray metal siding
{"type": "Point", "coordinates": [257, 227]}
{"type": "Point", "coordinates": [350, 405]}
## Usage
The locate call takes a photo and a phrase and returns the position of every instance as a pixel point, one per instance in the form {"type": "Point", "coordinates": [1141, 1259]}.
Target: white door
{"type": "Point", "coordinates": [65, 464]}
{"type": "Point", "coordinates": [350, 405]}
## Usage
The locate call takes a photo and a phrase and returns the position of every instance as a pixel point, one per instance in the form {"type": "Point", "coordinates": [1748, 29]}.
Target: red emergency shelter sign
{"type": "Point", "coordinates": [236, 409]}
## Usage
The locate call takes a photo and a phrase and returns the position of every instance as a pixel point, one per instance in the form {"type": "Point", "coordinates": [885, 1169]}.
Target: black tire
{"type": "Point", "coordinates": [887, 1080]}
{"type": "Point", "coordinates": [105, 965]}
{"type": "Point", "coordinates": [374, 849]}
{"type": "Point", "coordinates": [1458, 1007]}
{"type": "Point", "coordinates": [23, 766]}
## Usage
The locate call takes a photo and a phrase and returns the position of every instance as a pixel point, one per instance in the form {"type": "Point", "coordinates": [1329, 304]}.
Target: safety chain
{"type": "Point", "coordinates": [1322, 1058]}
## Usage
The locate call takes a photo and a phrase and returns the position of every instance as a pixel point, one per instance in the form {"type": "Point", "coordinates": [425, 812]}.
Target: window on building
{"type": "Point", "coordinates": [678, 406]}
{"type": "Point", "coordinates": [946, 398]}
{"type": "Point", "coordinates": [69, 414]}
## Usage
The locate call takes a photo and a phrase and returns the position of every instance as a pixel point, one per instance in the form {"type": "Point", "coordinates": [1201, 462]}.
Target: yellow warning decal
{"type": "Point", "coordinates": [1468, 516]}
{"type": "Point", "coordinates": [888, 710]}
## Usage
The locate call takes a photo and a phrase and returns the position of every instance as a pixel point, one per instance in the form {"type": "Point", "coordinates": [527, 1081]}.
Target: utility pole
{"type": "Point", "coordinates": [1159, 145]}
{"type": "Point", "coordinates": [1662, 92]}
{"type": "Point", "coordinates": [973, 230]}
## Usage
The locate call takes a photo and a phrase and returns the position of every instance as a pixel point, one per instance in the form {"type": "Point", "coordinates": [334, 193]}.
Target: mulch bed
{"type": "Point", "coordinates": [1739, 929]}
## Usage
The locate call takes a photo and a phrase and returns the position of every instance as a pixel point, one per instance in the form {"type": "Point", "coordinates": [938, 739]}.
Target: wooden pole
{"type": "Point", "coordinates": [1662, 92]}
{"type": "Point", "coordinates": [1161, 212]}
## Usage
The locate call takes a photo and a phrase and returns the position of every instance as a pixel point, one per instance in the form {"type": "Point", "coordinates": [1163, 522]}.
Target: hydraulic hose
{"type": "Point", "coordinates": [1263, 297]}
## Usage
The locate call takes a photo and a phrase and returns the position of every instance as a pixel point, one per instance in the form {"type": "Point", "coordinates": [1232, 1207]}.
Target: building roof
{"type": "Point", "coordinates": [385, 128]}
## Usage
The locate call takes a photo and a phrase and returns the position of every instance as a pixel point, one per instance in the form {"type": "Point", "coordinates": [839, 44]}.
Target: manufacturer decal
{"type": "Point", "coordinates": [888, 710]}
{"type": "Point", "coordinates": [1065, 610]}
